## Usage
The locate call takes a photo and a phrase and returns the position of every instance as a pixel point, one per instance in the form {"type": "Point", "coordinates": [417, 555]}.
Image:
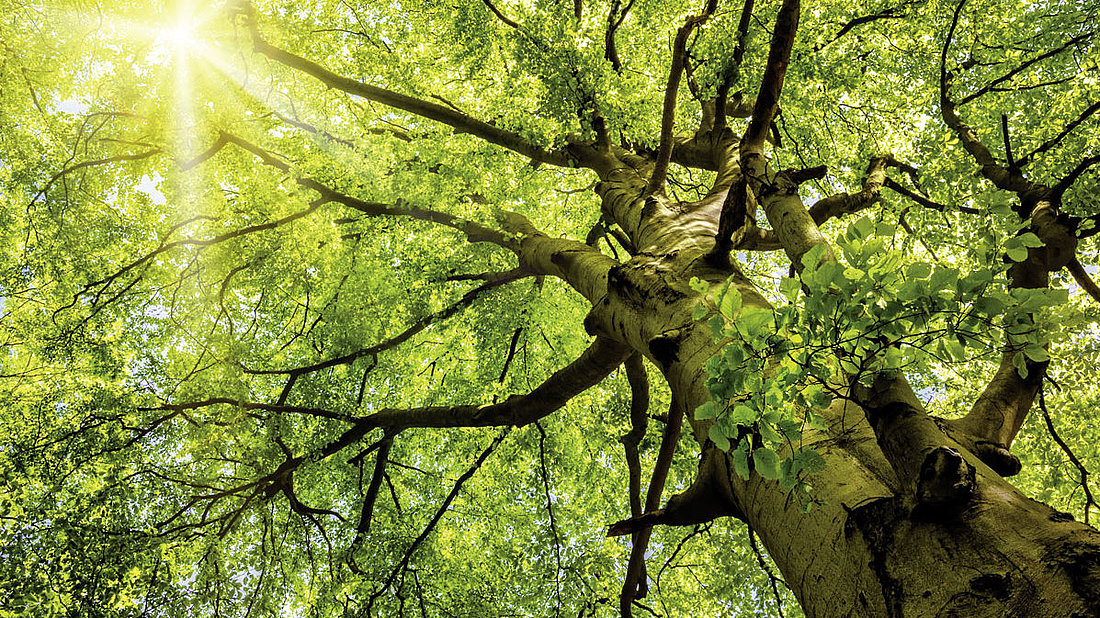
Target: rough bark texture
{"type": "Point", "coordinates": [916, 518]}
{"type": "Point", "coordinates": [930, 531]}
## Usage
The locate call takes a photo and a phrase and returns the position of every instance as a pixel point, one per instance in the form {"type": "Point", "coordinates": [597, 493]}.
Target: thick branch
{"type": "Point", "coordinates": [771, 86]}
{"type": "Point", "coordinates": [599, 360]}
{"type": "Point", "coordinates": [848, 203]}
{"type": "Point", "coordinates": [432, 111]}
{"type": "Point", "coordinates": [668, 112]}
{"type": "Point", "coordinates": [475, 232]}
{"type": "Point", "coordinates": [999, 175]}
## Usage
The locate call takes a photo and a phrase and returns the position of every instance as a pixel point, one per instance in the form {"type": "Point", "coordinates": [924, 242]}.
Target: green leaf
{"type": "Point", "coordinates": [766, 463]}
{"type": "Point", "coordinates": [861, 228]}
{"type": "Point", "coordinates": [1029, 239]}
{"type": "Point", "coordinates": [740, 463]}
{"type": "Point", "coordinates": [1017, 254]}
{"type": "Point", "coordinates": [719, 437]}
{"type": "Point", "coordinates": [754, 319]}
{"type": "Point", "coordinates": [730, 303]}
{"type": "Point", "coordinates": [812, 461]}
{"type": "Point", "coordinates": [1020, 364]}
{"type": "Point", "coordinates": [705, 411]}
{"type": "Point", "coordinates": [1037, 354]}
{"type": "Point", "coordinates": [918, 270]}
{"type": "Point", "coordinates": [743, 415]}
{"type": "Point", "coordinates": [717, 325]}
{"type": "Point", "coordinates": [790, 287]}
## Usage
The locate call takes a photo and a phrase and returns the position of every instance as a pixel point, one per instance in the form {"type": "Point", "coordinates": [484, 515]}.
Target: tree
{"type": "Point", "coordinates": [323, 308]}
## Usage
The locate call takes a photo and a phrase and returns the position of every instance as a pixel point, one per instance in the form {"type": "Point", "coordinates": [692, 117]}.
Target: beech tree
{"type": "Point", "coordinates": [643, 307]}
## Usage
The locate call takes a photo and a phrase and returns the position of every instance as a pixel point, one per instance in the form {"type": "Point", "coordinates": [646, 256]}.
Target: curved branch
{"type": "Point", "coordinates": [475, 232]}
{"type": "Point", "coordinates": [1001, 176]}
{"type": "Point", "coordinates": [391, 342]}
{"type": "Point", "coordinates": [432, 111]}
{"type": "Point", "coordinates": [93, 163]}
{"type": "Point", "coordinates": [668, 111]}
{"type": "Point", "coordinates": [593, 365]}
{"type": "Point", "coordinates": [1081, 276]}
{"type": "Point", "coordinates": [992, 86]}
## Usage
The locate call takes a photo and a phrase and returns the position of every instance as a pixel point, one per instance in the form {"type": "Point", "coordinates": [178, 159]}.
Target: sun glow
{"type": "Point", "coordinates": [180, 36]}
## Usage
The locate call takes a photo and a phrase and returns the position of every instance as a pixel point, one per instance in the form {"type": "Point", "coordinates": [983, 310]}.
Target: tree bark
{"type": "Point", "coordinates": [871, 548]}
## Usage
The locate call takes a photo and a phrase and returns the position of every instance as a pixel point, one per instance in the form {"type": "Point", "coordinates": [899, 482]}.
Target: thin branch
{"type": "Point", "coordinates": [1090, 502]}
{"type": "Point", "coordinates": [999, 175]}
{"type": "Point", "coordinates": [475, 232]}
{"type": "Point", "coordinates": [1066, 130]}
{"type": "Point", "coordinates": [771, 86]}
{"type": "Point", "coordinates": [1065, 183]}
{"type": "Point", "coordinates": [545, 474]}
{"type": "Point", "coordinates": [515, 26]}
{"type": "Point", "coordinates": [443, 508]}
{"type": "Point", "coordinates": [772, 579]}
{"type": "Point", "coordinates": [615, 19]}
{"type": "Point", "coordinates": [416, 327]}
{"type": "Point", "coordinates": [892, 184]}
{"type": "Point", "coordinates": [86, 164]}
{"type": "Point", "coordinates": [367, 513]}
{"type": "Point", "coordinates": [893, 12]}
{"type": "Point", "coordinates": [1077, 40]}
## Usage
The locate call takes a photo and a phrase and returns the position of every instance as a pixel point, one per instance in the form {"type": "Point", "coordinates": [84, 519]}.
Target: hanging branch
{"type": "Point", "coordinates": [1090, 502]}
{"type": "Point", "coordinates": [367, 512]}
{"type": "Point", "coordinates": [404, 563]}
{"type": "Point", "coordinates": [636, 565]}
{"type": "Point", "coordinates": [545, 474]}
{"type": "Point", "coordinates": [772, 579]}
{"type": "Point", "coordinates": [639, 406]}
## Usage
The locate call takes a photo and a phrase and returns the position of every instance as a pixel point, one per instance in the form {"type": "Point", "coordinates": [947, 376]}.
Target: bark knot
{"type": "Point", "coordinates": [945, 486]}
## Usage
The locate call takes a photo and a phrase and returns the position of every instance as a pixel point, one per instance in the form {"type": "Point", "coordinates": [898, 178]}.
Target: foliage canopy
{"type": "Point", "coordinates": [232, 232]}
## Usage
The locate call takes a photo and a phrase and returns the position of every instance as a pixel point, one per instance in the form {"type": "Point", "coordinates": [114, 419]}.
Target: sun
{"type": "Point", "coordinates": [179, 35]}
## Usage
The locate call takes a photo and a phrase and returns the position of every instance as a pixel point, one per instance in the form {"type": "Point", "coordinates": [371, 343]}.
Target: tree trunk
{"type": "Point", "coordinates": [870, 549]}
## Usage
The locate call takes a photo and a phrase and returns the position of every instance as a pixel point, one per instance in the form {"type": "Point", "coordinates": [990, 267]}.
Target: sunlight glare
{"type": "Point", "coordinates": [179, 36]}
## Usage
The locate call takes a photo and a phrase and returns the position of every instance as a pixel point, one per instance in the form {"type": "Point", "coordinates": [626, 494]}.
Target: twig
{"type": "Point", "coordinates": [1081, 469]}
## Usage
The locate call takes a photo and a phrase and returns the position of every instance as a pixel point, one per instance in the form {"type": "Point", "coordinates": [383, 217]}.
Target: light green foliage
{"type": "Point", "coordinates": [869, 311]}
{"type": "Point", "coordinates": [132, 275]}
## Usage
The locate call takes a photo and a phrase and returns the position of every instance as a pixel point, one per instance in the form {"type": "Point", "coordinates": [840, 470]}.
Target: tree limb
{"type": "Point", "coordinates": [599, 360]}
{"type": "Point", "coordinates": [432, 111]}
{"type": "Point", "coordinates": [1081, 276]}
{"type": "Point", "coordinates": [668, 112]}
